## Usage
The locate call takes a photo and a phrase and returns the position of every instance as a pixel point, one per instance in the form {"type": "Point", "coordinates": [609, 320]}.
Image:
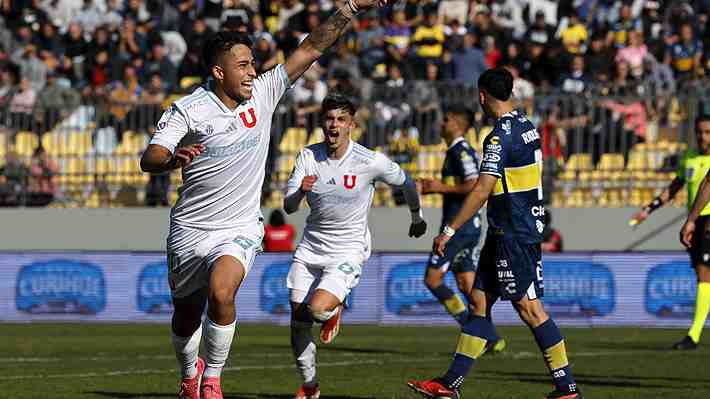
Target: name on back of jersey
{"type": "Point", "coordinates": [530, 136]}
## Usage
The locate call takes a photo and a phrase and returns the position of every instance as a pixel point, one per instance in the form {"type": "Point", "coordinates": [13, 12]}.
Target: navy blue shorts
{"type": "Point", "coordinates": [461, 254]}
{"type": "Point", "coordinates": [509, 269]}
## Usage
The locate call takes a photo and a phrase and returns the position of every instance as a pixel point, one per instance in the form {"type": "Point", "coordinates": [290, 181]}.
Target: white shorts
{"type": "Point", "coordinates": [338, 279]}
{"type": "Point", "coordinates": [192, 252]}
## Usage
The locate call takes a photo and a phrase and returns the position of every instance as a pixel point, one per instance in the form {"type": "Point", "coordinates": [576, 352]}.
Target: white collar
{"type": "Point", "coordinates": [456, 141]}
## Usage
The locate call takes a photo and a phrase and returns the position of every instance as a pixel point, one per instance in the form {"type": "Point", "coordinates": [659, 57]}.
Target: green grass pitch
{"type": "Point", "coordinates": [135, 361]}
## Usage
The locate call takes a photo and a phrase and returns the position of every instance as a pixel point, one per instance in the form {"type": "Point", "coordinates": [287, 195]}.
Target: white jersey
{"type": "Point", "coordinates": [336, 227]}
{"type": "Point", "coordinates": [222, 187]}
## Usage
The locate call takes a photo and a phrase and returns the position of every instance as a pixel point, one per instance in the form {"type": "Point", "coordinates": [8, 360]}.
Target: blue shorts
{"type": "Point", "coordinates": [461, 254]}
{"type": "Point", "coordinates": [509, 269]}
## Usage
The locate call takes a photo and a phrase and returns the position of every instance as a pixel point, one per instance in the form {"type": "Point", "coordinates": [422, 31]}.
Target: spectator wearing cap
{"type": "Point", "coordinates": [618, 35]}
{"type": "Point", "coordinates": [685, 55]}
{"type": "Point", "coordinates": [469, 62]}
{"type": "Point", "coordinates": [265, 53]}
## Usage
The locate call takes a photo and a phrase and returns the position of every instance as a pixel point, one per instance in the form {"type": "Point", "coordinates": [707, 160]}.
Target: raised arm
{"type": "Point", "coordinates": [322, 37]}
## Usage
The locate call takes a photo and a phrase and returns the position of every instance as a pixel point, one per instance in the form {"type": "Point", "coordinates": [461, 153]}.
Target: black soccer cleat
{"type": "Point", "coordinates": [564, 395]}
{"type": "Point", "coordinates": [686, 344]}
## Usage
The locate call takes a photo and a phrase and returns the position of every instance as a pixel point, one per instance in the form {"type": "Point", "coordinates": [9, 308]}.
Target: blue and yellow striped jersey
{"type": "Point", "coordinates": [460, 164]}
{"type": "Point", "coordinates": [512, 152]}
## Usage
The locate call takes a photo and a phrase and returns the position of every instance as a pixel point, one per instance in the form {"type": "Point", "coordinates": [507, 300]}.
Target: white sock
{"type": "Point", "coordinates": [186, 350]}
{"type": "Point", "coordinates": [304, 350]}
{"type": "Point", "coordinates": [218, 341]}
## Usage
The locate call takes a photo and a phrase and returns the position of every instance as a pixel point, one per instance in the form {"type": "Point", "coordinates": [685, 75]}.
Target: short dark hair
{"type": "Point", "coordinates": [222, 42]}
{"type": "Point", "coordinates": [277, 218]}
{"type": "Point", "coordinates": [460, 111]}
{"type": "Point", "coordinates": [705, 117]}
{"type": "Point", "coordinates": [498, 82]}
{"type": "Point", "coordinates": [338, 101]}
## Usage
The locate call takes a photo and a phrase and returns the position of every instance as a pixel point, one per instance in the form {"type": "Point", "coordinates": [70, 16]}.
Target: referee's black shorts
{"type": "Point", "coordinates": [700, 248]}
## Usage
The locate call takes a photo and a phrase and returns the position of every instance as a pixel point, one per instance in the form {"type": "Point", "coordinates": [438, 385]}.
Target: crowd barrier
{"type": "Point", "coordinates": [581, 289]}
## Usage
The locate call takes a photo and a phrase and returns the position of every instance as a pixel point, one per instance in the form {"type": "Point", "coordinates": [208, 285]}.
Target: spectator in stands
{"type": "Point", "coordinates": [131, 42]}
{"type": "Point", "coordinates": [42, 178]}
{"type": "Point", "coordinates": [278, 235]}
{"type": "Point", "coordinates": [8, 87]}
{"type": "Point", "coordinates": [159, 62]}
{"type": "Point", "coordinates": [551, 237]}
{"type": "Point", "coordinates": [397, 36]}
{"type": "Point", "coordinates": [89, 17]}
{"type": "Point", "coordinates": [307, 95]}
{"type": "Point", "coordinates": [426, 103]}
{"type": "Point", "coordinates": [31, 67]}
{"type": "Point", "coordinates": [151, 101]}
{"type": "Point", "coordinates": [574, 35]}
{"type": "Point", "coordinates": [634, 54]}
{"type": "Point", "coordinates": [372, 34]}
{"type": "Point", "coordinates": [98, 72]}
{"type": "Point", "coordinates": [21, 106]}
{"type": "Point", "coordinates": [403, 148]}
{"type": "Point", "coordinates": [429, 42]}
{"type": "Point", "coordinates": [49, 41]}
{"type": "Point", "coordinates": [618, 35]}
{"type": "Point", "coordinates": [265, 52]}
{"type": "Point", "coordinates": [469, 62]}
{"type": "Point", "coordinates": [685, 55]}
{"type": "Point", "coordinates": [54, 103]}
{"type": "Point", "coordinates": [523, 90]}
{"type": "Point", "coordinates": [599, 58]}
{"type": "Point", "coordinates": [345, 62]}
{"type": "Point", "coordinates": [391, 107]}
{"type": "Point", "coordinates": [540, 32]}
{"type": "Point", "coordinates": [508, 14]}
{"type": "Point", "coordinates": [123, 98]}
{"type": "Point", "coordinates": [74, 43]}
{"type": "Point", "coordinates": [13, 180]}
{"type": "Point", "coordinates": [575, 81]}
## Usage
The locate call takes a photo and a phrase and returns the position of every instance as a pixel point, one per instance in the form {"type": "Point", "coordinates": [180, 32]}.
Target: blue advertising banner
{"type": "Point", "coordinates": [583, 289]}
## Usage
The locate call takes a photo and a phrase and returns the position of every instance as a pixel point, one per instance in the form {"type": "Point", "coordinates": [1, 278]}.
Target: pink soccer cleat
{"type": "Point", "coordinates": [305, 392]}
{"type": "Point", "coordinates": [211, 388]}
{"type": "Point", "coordinates": [190, 387]}
{"type": "Point", "coordinates": [433, 389]}
{"type": "Point", "coordinates": [329, 330]}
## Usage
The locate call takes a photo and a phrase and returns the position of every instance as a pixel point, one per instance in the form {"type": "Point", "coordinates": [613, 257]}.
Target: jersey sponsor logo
{"type": "Point", "coordinates": [233, 149]}
{"type": "Point", "coordinates": [405, 295]}
{"type": "Point", "coordinates": [490, 165]}
{"type": "Point", "coordinates": [152, 290]}
{"type": "Point", "coordinates": [332, 181]}
{"type": "Point", "coordinates": [495, 140]}
{"type": "Point", "coordinates": [61, 286]}
{"type": "Point", "coordinates": [530, 136]}
{"type": "Point", "coordinates": [349, 181]}
{"type": "Point", "coordinates": [507, 128]}
{"type": "Point", "coordinates": [670, 290]}
{"type": "Point", "coordinates": [491, 157]}
{"type": "Point", "coordinates": [494, 148]}
{"type": "Point", "coordinates": [578, 289]}
{"type": "Point", "coordinates": [540, 226]}
{"type": "Point", "coordinates": [252, 118]}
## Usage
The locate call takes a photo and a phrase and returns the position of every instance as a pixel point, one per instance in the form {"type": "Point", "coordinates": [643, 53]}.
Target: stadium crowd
{"type": "Point", "coordinates": [403, 63]}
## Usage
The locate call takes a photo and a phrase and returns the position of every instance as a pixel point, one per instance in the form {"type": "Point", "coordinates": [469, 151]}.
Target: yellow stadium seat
{"type": "Point", "coordinates": [355, 134]}
{"type": "Point", "coordinates": [79, 143]}
{"type": "Point", "coordinates": [610, 162]}
{"type": "Point", "coordinates": [316, 136]}
{"type": "Point", "coordinates": [485, 130]}
{"type": "Point", "coordinates": [642, 161]}
{"type": "Point", "coordinates": [579, 162]}
{"type": "Point", "coordinates": [25, 143]}
{"type": "Point", "coordinates": [171, 99]}
{"type": "Point", "coordinates": [293, 139]}
{"type": "Point", "coordinates": [189, 81]}
{"type": "Point", "coordinates": [3, 146]}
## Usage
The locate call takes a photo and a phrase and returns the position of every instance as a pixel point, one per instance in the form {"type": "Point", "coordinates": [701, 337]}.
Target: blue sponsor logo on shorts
{"type": "Point", "coordinates": [153, 291]}
{"type": "Point", "coordinates": [406, 293]}
{"type": "Point", "coordinates": [273, 291]}
{"type": "Point", "coordinates": [61, 286]}
{"type": "Point", "coordinates": [578, 289]}
{"type": "Point", "coordinates": [670, 290]}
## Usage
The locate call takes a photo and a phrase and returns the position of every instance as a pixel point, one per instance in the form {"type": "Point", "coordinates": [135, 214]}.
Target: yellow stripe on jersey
{"type": "Point", "coordinates": [520, 179]}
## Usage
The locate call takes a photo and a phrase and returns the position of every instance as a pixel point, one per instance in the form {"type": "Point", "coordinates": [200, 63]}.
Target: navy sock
{"type": "Point", "coordinates": [452, 302]}
{"type": "Point", "coordinates": [552, 345]}
{"type": "Point", "coordinates": [472, 343]}
{"type": "Point", "coordinates": [495, 337]}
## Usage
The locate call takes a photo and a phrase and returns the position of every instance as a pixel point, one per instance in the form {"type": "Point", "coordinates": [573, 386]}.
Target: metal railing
{"type": "Point", "coordinates": [599, 149]}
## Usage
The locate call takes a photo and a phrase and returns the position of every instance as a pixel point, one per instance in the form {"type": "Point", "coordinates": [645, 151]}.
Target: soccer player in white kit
{"type": "Point", "coordinates": [337, 177]}
{"type": "Point", "coordinates": [219, 136]}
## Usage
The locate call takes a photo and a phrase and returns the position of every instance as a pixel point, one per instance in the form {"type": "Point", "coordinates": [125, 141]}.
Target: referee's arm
{"type": "Point", "coordinates": [668, 194]}
{"type": "Point", "coordinates": [701, 200]}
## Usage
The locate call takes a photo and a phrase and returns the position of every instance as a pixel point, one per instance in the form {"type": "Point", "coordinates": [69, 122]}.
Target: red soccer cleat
{"type": "Point", "coordinates": [190, 387]}
{"type": "Point", "coordinates": [433, 389]}
{"type": "Point", "coordinates": [329, 330]}
{"type": "Point", "coordinates": [308, 392]}
{"type": "Point", "coordinates": [211, 388]}
{"type": "Point", "coordinates": [564, 395]}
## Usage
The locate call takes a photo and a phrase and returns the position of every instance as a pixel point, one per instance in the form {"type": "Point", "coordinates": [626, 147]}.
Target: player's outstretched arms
{"type": "Point", "coordinates": [472, 204]}
{"type": "Point", "coordinates": [658, 202]}
{"type": "Point", "coordinates": [324, 36]}
{"type": "Point", "coordinates": [158, 159]}
{"type": "Point", "coordinates": [293, 200]}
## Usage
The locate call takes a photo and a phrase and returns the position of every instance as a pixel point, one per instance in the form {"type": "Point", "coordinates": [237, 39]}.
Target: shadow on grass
{"type": "Point", "coordinates": [615, 381]}
{"type": "Point", "coordinates": [239, 395]}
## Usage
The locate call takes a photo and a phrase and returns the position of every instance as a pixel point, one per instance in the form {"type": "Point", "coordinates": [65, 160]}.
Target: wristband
{"type": "Point", "coordinates": [448, 231]}
{"type": "Point", "coordinates": [349, 9]}
{"type": "Point", "coordinates": [655, 204]}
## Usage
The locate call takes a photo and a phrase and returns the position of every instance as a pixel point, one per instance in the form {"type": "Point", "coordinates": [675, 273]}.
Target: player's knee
{"type": "Point", "coordinates": [222, 297]}
{"type": "Point", "coordinates": [319, 312]}
{"type": "Point", "coordinates": [531, 312]}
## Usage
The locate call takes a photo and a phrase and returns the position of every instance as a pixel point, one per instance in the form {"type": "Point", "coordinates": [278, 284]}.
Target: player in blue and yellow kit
{"type": "Point", "coordinates": [458, 176]}
{"type": "Point", "coordinates": [510, 267]}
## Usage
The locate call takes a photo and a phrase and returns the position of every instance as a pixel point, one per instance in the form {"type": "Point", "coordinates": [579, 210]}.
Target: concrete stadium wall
{"type": "Point", "coordinates": [145, 229]}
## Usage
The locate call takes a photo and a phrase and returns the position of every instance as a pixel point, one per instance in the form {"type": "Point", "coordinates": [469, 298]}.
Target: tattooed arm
{"type": "Point", "coordinates": [323, 37]}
